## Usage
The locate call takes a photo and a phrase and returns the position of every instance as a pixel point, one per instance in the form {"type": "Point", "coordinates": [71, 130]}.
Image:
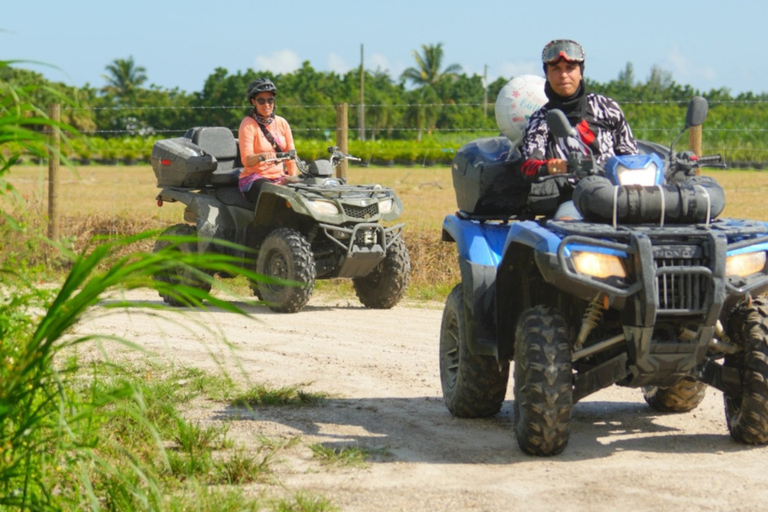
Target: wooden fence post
{"type": "Point", "coordinates": [54, 114]}
{"type": "Point", "coordinates": [342, 137]}
{"type": "Point", "coordinates": [694, 142]}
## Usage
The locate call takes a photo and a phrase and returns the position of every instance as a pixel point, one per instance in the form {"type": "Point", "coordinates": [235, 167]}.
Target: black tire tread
{"type": "Point", "coordinates": [287, 299]}
{"type": "Point", "coordinates": [385, 285]}
{"type": "Point", "coordinates": [543, 382]}
{"type": "Point", "coordinates": [480, 384]}
{"type": "Point", "coordinates": [747, 415]}
{"type": "Point", "coordinates": [178, 276]}
{"type": "Point", "coordinates": [684, 396]}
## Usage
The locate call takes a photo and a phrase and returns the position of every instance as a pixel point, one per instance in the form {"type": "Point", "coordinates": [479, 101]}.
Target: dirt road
{"type": "Point", "coordinates": [381, 370]}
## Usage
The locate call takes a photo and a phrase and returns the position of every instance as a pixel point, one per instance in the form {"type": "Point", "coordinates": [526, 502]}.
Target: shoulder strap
{"type": "Point", "coordinates": [269, 137]}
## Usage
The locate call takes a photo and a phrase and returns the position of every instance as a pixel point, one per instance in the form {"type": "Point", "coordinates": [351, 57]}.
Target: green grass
{"type": "Point", "coordinates": [352, 456]}
{"type": "Point", "coordinates": [261, 396]}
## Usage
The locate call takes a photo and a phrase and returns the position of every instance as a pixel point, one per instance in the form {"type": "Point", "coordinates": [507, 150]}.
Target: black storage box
{"type": "Point", "coordinates": [179, 162]}
{"type": "Point", "coordinates": [487, 178]}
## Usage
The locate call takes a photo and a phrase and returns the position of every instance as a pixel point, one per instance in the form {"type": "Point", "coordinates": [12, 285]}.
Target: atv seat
{"type": "Point", "coordinates": [219, 142]}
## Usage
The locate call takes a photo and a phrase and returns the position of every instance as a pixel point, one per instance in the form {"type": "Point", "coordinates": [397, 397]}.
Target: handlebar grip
{"type": "Point", "coordinates": [713, 159]}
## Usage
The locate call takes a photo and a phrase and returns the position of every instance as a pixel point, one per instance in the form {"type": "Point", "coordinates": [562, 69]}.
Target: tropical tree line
{"type": "Point", "coordinates": [430, 99]}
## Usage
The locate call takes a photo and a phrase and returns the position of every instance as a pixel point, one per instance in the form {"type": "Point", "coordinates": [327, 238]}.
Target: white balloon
{"type": "Point", "coordinates": [517, 100]}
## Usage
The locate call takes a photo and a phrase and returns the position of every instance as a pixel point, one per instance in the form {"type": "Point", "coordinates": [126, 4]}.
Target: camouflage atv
{"type": "Point", "coordinates": [317, 228]}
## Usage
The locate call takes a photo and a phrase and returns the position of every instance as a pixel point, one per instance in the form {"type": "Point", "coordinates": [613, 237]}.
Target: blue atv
{"type": "Point", "coordinates": [650, 290]}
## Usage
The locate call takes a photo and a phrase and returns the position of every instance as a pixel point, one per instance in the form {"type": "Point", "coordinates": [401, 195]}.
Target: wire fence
{"type": "Point", "coordinates": [421, 232]}
{"type": "Point", "coordinates": [737, 129]}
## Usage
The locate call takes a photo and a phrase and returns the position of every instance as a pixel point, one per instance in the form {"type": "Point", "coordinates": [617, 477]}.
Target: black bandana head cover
{"type": "Point", "coordinates": [574, 106]}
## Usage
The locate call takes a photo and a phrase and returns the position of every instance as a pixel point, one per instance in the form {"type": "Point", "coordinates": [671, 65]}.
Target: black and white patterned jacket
{"type": "Point", "coordinates": [605, 130]}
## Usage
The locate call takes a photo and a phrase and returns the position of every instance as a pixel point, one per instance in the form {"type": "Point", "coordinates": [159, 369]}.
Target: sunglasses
{"type": "Point", "coordinates": [262, 101]}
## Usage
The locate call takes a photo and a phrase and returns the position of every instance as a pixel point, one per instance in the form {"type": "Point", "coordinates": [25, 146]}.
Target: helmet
{"type": "Point", "coordinates": [562, 49]}
{"type": "Point", "coordinates": [260, 85]}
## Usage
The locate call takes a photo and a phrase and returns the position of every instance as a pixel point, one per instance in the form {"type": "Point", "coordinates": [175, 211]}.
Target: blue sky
{"type": "Point", "coordinates": [706, 44]}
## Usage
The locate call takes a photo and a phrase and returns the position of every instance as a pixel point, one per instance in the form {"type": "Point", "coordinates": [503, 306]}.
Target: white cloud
{"type": "Point", "coordinates": [683, 70]}
{"type": "Point", "coordinates": [513, 69]}
{"type": "Point", "coordinates": [337, 64]}
{"type": "Point", "coordinates": [280, 62]}
{"type": "Point", "coordinates": [378, 62]}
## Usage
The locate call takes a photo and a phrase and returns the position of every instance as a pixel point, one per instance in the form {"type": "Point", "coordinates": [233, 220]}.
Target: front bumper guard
{"type": "Point", "coordinates": [360, 259]}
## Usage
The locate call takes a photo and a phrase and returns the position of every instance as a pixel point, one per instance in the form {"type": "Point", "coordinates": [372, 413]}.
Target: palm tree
{"type": "Point", "coordinates": [426, 75]}
{"type": "Point", "coordinates": [124, 77]}
{"type": "Point", "coordinates": [428, 67]}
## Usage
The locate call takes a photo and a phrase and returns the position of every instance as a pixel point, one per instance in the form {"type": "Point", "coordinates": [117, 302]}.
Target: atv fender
{"type": "Point", "coordinates": [212, 217]}
{"type": "Point", "coordinates": [479, 247]}
{"type": "Point", "coordinates": [273, 197]}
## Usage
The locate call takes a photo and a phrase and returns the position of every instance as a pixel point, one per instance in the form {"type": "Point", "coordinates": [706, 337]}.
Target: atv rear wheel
{"type": "Point", "coordinates": [684, 396]}
{"type": "Point", "coordinates": [385, 285]}
{"type": "Point", "coordinates": [255, 289]}
{"type": "Point", "coordinates": [179, 275]}
{"type": "Point", "coordinates": [543, 381]}
{"type": "Point", "coordinates": [747, 414]}
{"type": "Point", "coordinates": [285, 254]}
{"type": "Point", "coordinates": [473, 386]}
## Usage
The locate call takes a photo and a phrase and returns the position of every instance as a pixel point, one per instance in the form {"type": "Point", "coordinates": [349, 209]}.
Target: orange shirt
{"type": "Point", "coordinates": [252, 141]}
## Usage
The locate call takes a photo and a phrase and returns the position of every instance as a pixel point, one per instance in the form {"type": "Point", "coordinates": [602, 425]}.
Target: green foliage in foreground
{"type": "Point", "coordinates": [103, 436]}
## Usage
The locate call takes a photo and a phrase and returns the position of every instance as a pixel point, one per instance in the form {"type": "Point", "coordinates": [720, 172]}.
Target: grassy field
{"type": "Point", "coordinates": [129, 191]}
{"type": "Point", "coordinates": [121, 200]}
{"type": "Point", "coordinates": [108, 200]}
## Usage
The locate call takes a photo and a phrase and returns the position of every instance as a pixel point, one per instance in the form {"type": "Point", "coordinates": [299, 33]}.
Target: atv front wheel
{"type": "Point", "coordinates": [286, 255]}
{"type": "Point", "coordinates": [473, 386]}
{"type": "Point", "coordinates": [179, 275]}
{"type": "Point", "coordinates": [747, 414]}
{"type": "Point", "coordinates": [684, 396]}
{"type": "Point", "coordinates": [543, 381]}
{"type": "Point", "coordinates": [385, 285]}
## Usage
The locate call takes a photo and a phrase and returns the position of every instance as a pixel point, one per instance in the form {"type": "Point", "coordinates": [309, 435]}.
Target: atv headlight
{"type": "Point", "coordinates": [645, 176]}
{"type": "Point", "coordinates": [324, 207]}
{"type": "Point", "coordinates": [598, 265]}
{"type": "Point", "coordinates": [644, 170]}
{"type": "Point", "coordinates": [745, 264]}
{"type": "Point", "coordinates": [386, 205]}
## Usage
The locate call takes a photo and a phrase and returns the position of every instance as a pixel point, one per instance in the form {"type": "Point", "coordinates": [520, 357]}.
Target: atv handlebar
{"type": "Point", "coordinates": [687, 162]}
{"type": "Point", "coordinates": [706, 160]}
{"type": "Point", "coordinates": [282, 156]}
{"type": "Point", "coordinates": [338, 156]}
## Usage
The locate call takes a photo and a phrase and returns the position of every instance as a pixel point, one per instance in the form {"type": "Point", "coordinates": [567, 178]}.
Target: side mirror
{"type": "Point", "coordinates": [697, 112]}
{"type": "Point", "coordinates": [559, 124]}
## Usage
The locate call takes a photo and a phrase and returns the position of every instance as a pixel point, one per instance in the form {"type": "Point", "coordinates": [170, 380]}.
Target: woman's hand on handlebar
{"type": "Point", "coordinates": [267, 156]}
{"type": "Point", "coordinates": [557, 166]}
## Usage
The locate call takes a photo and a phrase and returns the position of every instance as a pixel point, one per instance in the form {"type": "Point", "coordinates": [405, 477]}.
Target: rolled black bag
{"type": "Point", "coordinates": [694, 200]}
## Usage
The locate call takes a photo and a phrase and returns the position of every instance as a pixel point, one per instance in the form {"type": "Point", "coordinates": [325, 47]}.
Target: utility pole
{"type": "Point", "coordinates": [362, 96]}
{"type": "Point", "coordinates": [342, 137]}
{"type": "Point", "coordinates": [485, 91]}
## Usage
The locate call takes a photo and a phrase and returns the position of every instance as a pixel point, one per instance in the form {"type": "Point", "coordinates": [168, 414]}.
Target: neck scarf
{"type": "Point", "coordinates": [574, 106]}
{"type": "Point", "coordinates": [262, 120]}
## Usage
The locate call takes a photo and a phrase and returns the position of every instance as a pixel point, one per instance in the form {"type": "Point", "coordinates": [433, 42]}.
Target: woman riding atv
{"type": "Point", "coordinates": [598, 119]}
{"type": "Point", "coordinates": [261, 135]}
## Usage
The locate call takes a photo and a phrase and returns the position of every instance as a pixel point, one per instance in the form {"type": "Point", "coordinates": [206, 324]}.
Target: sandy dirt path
{"type": "Point", "coordinates": [381, 370]}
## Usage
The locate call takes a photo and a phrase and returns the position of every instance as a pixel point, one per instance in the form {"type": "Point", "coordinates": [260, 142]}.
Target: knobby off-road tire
{"type": "Point", "coordinates": [255, 289]}
{"type": "Point", "coordinates": [747, 415]}
{"type": "Point", "coordinates": [286, 254]}
{"type": "Point", "coordinates": [385, 285]}
{"type": "Point", "coordinates": [473, 386]}
{"type": "Point", "coordinates": [180, 275]}
{"type": "Point", "coordinates": [684, 396]}
{"type": "Point", "coordinates": [543, 381]}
